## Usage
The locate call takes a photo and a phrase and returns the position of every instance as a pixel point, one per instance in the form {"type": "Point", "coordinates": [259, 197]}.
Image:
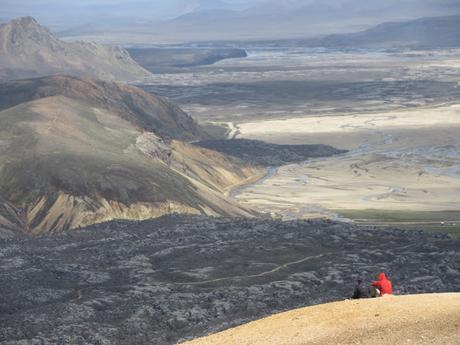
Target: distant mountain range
{"type": "Point", "coordinates": [436, 32]}
{"type": "Point", "coordinates": [74, 152]}
{"type": "Point", "coordinates": [28, 49]}
{"type": "Point", "coordinates": [261, 20]}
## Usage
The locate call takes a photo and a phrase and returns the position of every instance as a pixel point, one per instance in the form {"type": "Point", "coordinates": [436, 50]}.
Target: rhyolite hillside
{"type": "Point", "coordinates": [76, 151]}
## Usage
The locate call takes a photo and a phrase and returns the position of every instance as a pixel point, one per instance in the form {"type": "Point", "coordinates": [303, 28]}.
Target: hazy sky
{"type": "Point", "coordinates": [166, 9]}
{"type": "Point", "coordinates": [291, 17]}
{"type": "Point", "coordinates": [155, 9]}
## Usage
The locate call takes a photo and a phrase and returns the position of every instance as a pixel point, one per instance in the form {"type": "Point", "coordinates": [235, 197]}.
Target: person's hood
{"type": "Point", "coordinates": [382, 276]}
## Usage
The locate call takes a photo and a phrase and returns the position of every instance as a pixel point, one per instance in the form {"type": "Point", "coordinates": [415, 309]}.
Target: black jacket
{"type": "Point", "coordinates": [362, 291]}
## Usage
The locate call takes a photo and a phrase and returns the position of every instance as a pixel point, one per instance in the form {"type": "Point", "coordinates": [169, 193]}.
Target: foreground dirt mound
{"type": "Point", "coordinates": [416, 319]}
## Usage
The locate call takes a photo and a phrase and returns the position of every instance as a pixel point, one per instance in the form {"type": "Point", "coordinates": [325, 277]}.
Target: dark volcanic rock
{"type": "Point", "coordinates": [163, 59]}
{"type": "Point", "coordinates": [266, 154]}
{"type": "Point", "coordinates": [157, 282]}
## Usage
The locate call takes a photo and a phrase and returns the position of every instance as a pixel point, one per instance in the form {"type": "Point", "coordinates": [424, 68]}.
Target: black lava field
{"type": "Point", "coordinates": [175, 278]}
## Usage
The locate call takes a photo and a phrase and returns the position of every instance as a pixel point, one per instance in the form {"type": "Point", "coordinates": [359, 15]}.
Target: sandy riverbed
{"type": "Point", "coordinates": [402, 160]}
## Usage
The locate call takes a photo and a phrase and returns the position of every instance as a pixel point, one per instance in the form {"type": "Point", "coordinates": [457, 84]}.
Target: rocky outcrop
{"type": "Point", "coordinates": [154, 147]}
{"type": "Point", "coordinates": [61, 212]}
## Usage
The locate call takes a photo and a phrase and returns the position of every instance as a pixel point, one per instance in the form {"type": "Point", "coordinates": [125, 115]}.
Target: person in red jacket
{"type": "Point", "coordinates": [383, 284]}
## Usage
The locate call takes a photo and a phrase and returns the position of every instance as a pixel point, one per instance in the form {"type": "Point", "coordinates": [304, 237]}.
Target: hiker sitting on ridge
{"type": "Point", "coordinates": [364, 291]}
{"type": "Point", "coordinates": [383, 285]}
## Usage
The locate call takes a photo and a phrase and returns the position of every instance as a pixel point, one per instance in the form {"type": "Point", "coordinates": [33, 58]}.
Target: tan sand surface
{"type": "Point", "coordinates": [350, 131]}
{"type": "Point", "coordinates": [410, 320]}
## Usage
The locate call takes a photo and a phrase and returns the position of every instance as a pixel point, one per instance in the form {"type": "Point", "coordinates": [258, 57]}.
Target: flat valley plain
{"type": "Point", "coordinates": [397, 112]}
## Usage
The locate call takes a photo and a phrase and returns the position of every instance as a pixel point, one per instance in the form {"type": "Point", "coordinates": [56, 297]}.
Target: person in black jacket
{"type": "Point", "coordinates": [364, 291]}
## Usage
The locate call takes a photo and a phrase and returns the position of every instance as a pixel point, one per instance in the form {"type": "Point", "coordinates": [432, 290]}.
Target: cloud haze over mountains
{"type": "Point", "coordinates": [171, 20]}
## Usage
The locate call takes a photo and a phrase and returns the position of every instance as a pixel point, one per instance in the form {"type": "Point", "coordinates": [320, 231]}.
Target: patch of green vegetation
{"type": "Point", "coordinates": [453, 230]}
{"type": "Point", "coordinates": [394, 215]}
{"type": "Point", "coordinates": [437, 221]}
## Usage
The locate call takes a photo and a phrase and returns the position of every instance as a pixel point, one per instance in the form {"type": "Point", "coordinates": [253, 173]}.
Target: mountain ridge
{"type": "Point", "coordinates": [75, 152]}
{"type": "Point", "coordinates": [143, 109]}
{"type": "Point", "coordinates": [429, 32]}
{"type": "Point", "coordinates": [265, 20]}
{"type": "Point", "coordinates": [28, 49]}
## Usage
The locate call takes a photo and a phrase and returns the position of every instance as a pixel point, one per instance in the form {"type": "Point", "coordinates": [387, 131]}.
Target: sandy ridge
{"type": "Point", "coordinates": [416, 319]}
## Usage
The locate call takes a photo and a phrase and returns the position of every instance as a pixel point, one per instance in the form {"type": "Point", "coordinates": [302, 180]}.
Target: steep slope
{"type": "Point", "coordinates": [28, 49]}
{"type": "Point", "coordinates": [436, 32]}
{"type": "Point", "coordinates": [142, 109]}
{"type": "Point", "coordinates": [200, 164]}
{"type": "Point", "coordinates": [70, 159]}
{"type": "Point", "coordinates": [416, 319]}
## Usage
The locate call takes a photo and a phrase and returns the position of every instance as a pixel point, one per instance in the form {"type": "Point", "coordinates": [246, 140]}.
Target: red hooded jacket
{"type": "Point", "coordinates": [383, 284]}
